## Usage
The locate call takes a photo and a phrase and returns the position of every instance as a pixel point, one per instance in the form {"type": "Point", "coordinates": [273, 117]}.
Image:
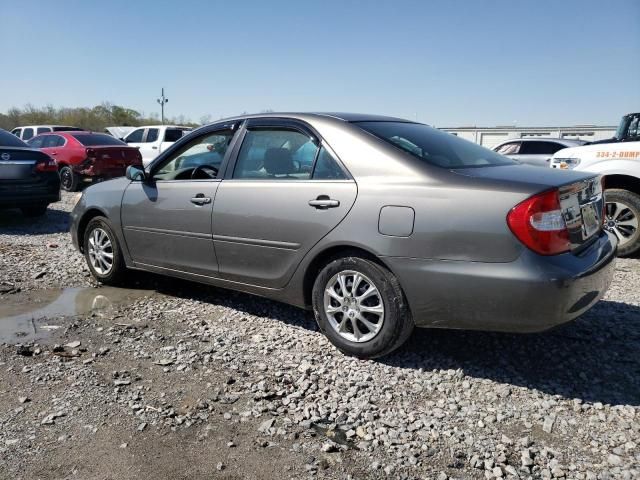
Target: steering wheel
{"type": "Point", "coordinates": [209, 170]}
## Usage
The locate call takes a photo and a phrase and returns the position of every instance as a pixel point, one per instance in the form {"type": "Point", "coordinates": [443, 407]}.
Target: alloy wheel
{"type": "Point", "coordinates": [353, 306]}
{"type": "Point", "coordinates": [100, 251]}
{"type": "Point", "coordinates": [66, 178]}
{"type": "Point", "coordinates": [622, 221]}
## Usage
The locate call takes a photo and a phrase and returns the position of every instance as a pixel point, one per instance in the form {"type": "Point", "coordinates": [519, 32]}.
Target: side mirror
{"type": "Point", "coordinates": [135, 174]}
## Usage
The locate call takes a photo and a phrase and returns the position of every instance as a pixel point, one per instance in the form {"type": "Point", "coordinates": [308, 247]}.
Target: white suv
{"type": "Point", "coordinates": [25, 133]}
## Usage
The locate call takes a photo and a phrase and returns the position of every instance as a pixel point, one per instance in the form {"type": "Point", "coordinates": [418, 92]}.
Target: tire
{"type": "Point", "coordinates": [34, 210]}
{"type": "Point", "coordinates": [391, 328]}
{"type": "Point", "coordinates": [624, 206]}
{"type": "Point", "coordinates": [97, 230]}
{"type": "Point", "coordinates": [69, 180]}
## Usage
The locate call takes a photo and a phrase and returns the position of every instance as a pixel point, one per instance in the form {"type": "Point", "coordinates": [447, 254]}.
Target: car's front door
{"type": "Point", "coordinates": [166, 219]}
{"type": "Point", "coordinates": [284, 192]}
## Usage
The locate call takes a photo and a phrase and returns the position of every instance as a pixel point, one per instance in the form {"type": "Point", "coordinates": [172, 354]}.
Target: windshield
{"type": "Point", "coordinates": [97, 139]}
{"type": "Point", "coordinates": [10, 140]}
{"type": "Point", "coordinates": [434, 146]}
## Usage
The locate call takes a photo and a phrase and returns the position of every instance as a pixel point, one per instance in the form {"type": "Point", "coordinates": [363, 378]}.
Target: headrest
{"type": "Point", "coordinates": [278, 161]}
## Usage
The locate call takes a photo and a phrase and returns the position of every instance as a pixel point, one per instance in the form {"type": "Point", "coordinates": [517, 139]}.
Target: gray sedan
{"type": "Point", "coordinates": [378, 224]}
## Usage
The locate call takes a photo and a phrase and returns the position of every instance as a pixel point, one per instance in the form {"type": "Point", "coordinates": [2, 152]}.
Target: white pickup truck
{"type": "Point", "coordinates": [619, 163]}
{"type": "Point", "coordinates": [152, 140]}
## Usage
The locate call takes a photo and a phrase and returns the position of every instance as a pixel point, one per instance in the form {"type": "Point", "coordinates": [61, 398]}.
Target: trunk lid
{"type": "Point", "coordinates": [115, 156]}
{"type": "Point", "coordinates": [19, 163]}
{"type": "Point", "coordinates": [580, 193]}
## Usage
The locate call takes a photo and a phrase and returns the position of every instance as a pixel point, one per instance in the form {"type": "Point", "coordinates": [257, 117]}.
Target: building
{"type": "Point", "coordinates": [491, 136]}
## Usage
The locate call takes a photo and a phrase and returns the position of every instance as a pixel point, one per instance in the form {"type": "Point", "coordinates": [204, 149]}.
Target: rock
{"type": "Point", "coordinates": [24, 399]}
{"type": "Point", "coordinates": [443, 476]}
{"type": "Point", "coordinates": [122, 382]}
{"type": "Point", "coordinates": [164, 362]}
{"type": "Point", "coordinates": [25, 351]}
{"type": "Point", "coordinates": [220, 466]}
{"type": "Point", "coordinates": [548, 423]}
{"type": "Point", "coordinates": [12, 441]}
{"type": "Point", "coordinates": [124, 445]}
{"type": "Point", "coordinates": [614, 460]}
{"type": "Point", "coordinates": [39, 275]}
{"type": "Point", "coordinates": [74, 344]}
{"type": "Point", "coordinates": [329, 447]}
{"type": "Point", "coordinates": [266, 425]}
{"type": "Point", "coordinates": [142, 426]}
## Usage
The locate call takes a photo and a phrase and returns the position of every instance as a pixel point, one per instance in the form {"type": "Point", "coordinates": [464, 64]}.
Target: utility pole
{"type": "Point", "coordinates": [162, 100]}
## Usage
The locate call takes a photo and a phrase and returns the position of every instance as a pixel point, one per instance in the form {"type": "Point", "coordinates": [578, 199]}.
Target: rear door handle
{"type": "Point", "coordinates": [154, 147]}
{"type": "Point", "coordinates": [200, 199]}
{"type": "Point", "coordinates": [322, 202]}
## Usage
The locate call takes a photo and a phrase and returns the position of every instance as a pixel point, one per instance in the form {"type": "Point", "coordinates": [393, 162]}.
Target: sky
{"type": "Point", "coordinates": [443, 62]}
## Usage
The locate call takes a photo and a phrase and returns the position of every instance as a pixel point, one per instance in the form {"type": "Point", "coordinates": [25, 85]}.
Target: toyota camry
{"type": "Point", "coordinates": [377, 224]}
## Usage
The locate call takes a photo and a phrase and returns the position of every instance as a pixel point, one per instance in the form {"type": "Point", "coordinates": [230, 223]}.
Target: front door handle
{"type": "Point", "coordinates": [200, 199]}
{"type": "Point", "coordinates": [322, 202]}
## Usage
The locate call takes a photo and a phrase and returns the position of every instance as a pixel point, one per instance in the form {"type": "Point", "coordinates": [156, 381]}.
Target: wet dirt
{"type": "Point", "coordinates": [34, 315]}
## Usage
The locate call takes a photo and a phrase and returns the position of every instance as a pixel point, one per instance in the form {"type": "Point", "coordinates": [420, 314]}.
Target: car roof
{"type": "Point", "coordinates": [40, 126]}
{"type": "Point", "coordinates": [564, 141]}
{"type": "Point", "coordinates": [342, 116]}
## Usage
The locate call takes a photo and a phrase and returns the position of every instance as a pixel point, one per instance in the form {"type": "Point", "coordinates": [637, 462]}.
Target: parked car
{"type": "Point", "coordinates": [395, 224]}
{"type": "Point", "coordinates": [28, 177]}
{"type": "Point", "coordinates": [119, 132]}
{"type": "Point", "coordinates": [30, 131]}
{"type": "Point", "coordinates": [83, 156]}
{"type": "Point", "coordinates": [534, 151]}
{"type": "Point", "coordinates": [154, 139]}
{"type": "Point", "coordinates": [619, 163]}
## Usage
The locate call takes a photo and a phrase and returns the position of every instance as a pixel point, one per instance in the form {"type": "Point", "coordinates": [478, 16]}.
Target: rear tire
{"type": "Point", "coordinates": [623, 219]}
{"type": "Point", "coordinates": [34, 210]}
{"type": "Point", "coordinates": [69, 180]}
{"type": "Point", "coordinates": [347, 319]}
{"type": "Point", "coordinates": [103, 253]}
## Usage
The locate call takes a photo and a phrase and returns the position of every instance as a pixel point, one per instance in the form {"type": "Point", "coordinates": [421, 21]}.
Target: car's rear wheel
{"type": "Point", "coordinates": [623, 219]}
{"type": "Point", "coordinates": [361, 308]}
{"type": "Point", "coordinates": [69, 180]}
{"type": "Point", "coordinates": [34, 210]}
{"type": "Point", "coordinates": [103, 253]}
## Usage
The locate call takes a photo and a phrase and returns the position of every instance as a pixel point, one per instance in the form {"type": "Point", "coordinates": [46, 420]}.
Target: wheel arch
{"type": "Point", "coordinates": [329, 254]}
{"type": "Point", "coordinates": [89, 215]}
{"type": "Point", "coordinates": [624, 182]}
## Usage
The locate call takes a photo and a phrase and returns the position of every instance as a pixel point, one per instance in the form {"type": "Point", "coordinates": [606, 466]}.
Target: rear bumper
{"type": "Point", "coordinates": [531, 294]}
{"type": "Point", "coordinates": [20, 194]}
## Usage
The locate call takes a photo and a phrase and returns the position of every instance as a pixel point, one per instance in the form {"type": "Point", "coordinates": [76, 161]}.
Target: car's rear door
{"type": "Point", "coordinates": [279, 197]}
{"type": "Point", "coordinates": [538, 152]}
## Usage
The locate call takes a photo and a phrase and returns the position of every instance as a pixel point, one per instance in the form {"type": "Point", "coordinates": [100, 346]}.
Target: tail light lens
{"type": "Point", "coordinates": [538, 223]}
{"type": "Point", "coordinates": [48, 165]}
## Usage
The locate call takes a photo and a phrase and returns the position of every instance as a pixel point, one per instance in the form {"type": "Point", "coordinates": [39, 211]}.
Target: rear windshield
{"type": "Point", "coordinates": [97, 139]}
{"type": "Point", "coordinates": [67, 129]}
{"type": "Point", "coordinates": [433, 146]}
{"type": "Point", "coordinates": [10, 140]}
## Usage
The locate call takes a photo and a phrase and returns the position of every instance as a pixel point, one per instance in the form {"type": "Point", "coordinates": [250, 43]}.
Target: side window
{"type": "Point", "coordinates": [16, 132]}
{"type": "Point", "coordinates": [135, 136]}
{"type": "Point", "coordinates": [43, 130]}
{"type": "Point", "coordinates": [27, 133]}
{"type": "Point", "coordinates": [327, 168]}
{"type": "Point", "coordinates": [37, 142]}
{"type": "Point", "coordinates": [60, 141]}
{"type": "Point", "coordinates": [208, 150]}
{"type": "Point", "coordinates": [275, 154]}
{"type": "Point", "coordinates": [511, 148]}
{"type": "Point", "coordinates": [173, 134]}
{"type": "Point", "coordinates": [51, 141]}
{"type": "Point", "coordinates": [152, 135]}
{"type": "Point", "coordinates": [541, 148]}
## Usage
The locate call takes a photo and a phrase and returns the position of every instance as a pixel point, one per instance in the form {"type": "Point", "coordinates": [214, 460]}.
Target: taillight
{"type": "Point", "coordinates": [538, 223]}
{"type": "Point", "coordinates": [48, 165]}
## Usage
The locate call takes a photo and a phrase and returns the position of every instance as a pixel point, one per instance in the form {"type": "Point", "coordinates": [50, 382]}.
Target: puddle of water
{"type": "Point", "coordinates": [33, 315]}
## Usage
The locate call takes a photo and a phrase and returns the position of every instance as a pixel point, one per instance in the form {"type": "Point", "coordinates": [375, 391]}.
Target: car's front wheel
{"type": "Point", "coordinates": [361, 308]}
{"type": "Point", "coordinates": [623, 219]}
{"type": "Point", "coordinates": [103, 253]}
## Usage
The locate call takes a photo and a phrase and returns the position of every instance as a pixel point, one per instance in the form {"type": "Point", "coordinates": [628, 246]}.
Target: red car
{"type": "Point", "coordinates": [86, 156]}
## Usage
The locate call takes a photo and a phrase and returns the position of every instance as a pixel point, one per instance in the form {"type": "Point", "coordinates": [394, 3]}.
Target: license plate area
{"type": "Point", "coordinates": [590, 220]}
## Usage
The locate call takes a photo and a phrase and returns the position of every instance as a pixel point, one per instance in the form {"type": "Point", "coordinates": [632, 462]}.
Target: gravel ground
{"type": "Point", "coordinates": [169, 379]}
